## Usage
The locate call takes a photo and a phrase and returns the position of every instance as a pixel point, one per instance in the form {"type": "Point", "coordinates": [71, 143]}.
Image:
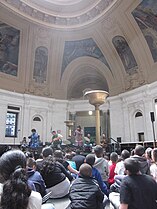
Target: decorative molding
{"type": "Point", "coordinates": [43, 16]}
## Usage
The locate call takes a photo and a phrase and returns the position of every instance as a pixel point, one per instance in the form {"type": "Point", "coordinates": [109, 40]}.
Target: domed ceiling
{"type": "Point", "coordinates": [60, 48]}
{"type": "Point", "coordinates": [60, 13]}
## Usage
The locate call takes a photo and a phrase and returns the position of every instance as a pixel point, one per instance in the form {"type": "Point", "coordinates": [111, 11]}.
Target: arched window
{"type": "Point", "coordinates": [138, 114]}
{"type": "Point", "coordinates": [36, 119]}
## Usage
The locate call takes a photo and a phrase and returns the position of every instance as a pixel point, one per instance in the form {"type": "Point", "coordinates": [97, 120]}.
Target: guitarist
{"type": "Point", "coordinates": [56, 140]}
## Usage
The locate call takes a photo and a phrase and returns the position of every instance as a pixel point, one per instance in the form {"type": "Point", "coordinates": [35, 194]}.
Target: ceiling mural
{"type": "Point", "coordinates": [9, 49]}
{"type": "Point", "coordinates": [125, 54]}
{"type": "Point", "coordinates": [75, 49]}
{"type": "Point", "coordinates": [40, 64]}
{"type": "Point", "coordinates": [146, 17]}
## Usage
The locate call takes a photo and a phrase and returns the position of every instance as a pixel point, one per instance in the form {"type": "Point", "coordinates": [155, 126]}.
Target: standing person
{"type": "Point", "coordinates": [78, 136]}
{"type": "Point", "coordinates": [34, 139]}
{"type": "Point", "coordinates": [137, 190]}
{"type": "Point", "coordinates": [14, 189]}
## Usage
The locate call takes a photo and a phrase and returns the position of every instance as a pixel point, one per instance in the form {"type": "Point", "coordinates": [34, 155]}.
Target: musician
{"type": "Point", "coordinates": [34, 139]}
{"type": "Point", "coordinates": [78, 136]}
{"type": "Point", "coordinates": [56, 140]}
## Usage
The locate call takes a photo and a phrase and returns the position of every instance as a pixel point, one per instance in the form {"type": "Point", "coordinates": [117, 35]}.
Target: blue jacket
{"type": "Point", "coordinates": [96, 175]}
{"type": "Point", "coordinates": [36, 178]}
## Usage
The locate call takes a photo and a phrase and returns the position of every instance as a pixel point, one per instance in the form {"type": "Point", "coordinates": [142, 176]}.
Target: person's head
{"type": "Point", "coordinates": [54, 133]}
{"type": "Point", "coordinates": [154, 155]}
{"type": "Point", "coordinates": [58, 154]}
{"type": "Point", "coordinates": [139, 150]}
{"type": "Point", "coordinates": [88, 135]}
{"type": "Point", "coordinates": [47, 151]}
{"type": "Point", "coordinates": [114, 157]}
{"type": "Point", "coordinates": [16, 191]}
{"type": "Point", "coordinates": [9, 161]}
{"type": "Point", "coordinates": [78, 152]}
{"type": "Point", "coordinates": [31, 163]}
{"type": "Point", "coordinates": [69, 156]}
{"type": "Point", "coordinates": [148, 153]}
{"type": "Point", "coordinates": [79, 128]}
{"type": "Point", "coordinates": [85, 170]}
{"type": "Point", "coordinates": [33, 130]}
{"type": "Point", "coordinates": [125, 154]}
{"type": "Point", "coordinates": [132, 166]}
{"type": "Point", "coordinates": [90, 159]}
{"type": "Point", "coordinates": [98, 150]}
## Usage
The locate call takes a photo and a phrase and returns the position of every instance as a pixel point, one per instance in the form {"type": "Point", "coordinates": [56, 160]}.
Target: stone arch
{"type": "Point", "coordinates": [86, 67]}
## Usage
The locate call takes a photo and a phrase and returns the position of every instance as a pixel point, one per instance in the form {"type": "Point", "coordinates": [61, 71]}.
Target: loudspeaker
{"type": "Point", "coordinates": [152, 116]}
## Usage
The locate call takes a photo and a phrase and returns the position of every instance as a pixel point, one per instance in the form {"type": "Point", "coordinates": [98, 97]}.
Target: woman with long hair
{"type": "Point", "coordinates": [15, 192]}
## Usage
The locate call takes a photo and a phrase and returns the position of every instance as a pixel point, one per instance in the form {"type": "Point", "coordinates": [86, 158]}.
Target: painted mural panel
{"type": "Point", "coordinates": [40, 64]}
{"type": "Point", "coordinates": [145, 15]}
{"type": "Point", "coordinates": [125, 54]}
{"type": "Point", "coordinates": [86, 47]}
{"type": "Point", "coordinates": [9, 49]}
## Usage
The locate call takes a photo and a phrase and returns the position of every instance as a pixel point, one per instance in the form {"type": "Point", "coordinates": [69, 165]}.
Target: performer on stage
{"type": "Point", "coordinates": [56, 140]}
{"type": "Point", "coordinates": [78, 136]}
{"type": "Point", "coordinates": [34, 139]}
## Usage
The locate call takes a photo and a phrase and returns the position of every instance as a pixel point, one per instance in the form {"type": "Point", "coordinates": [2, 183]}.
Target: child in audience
{"type": "Point", "coordinates": [90, 159]}
{"type": "Point", "coordinates": [113, 159]}
{"type": "Point", "coordinates": [85, 193]}
{"type": "Point", "coordinates": [35, 177]}
{"type": "Point", "coordinates": [101, 163]}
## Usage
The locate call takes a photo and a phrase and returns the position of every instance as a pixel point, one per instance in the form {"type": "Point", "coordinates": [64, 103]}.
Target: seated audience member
{"type": "Point", "coordinates": [139, 155]}
{"type": "Point", "coordinates": [153, 167]}
{"type": "Point", "coordinates": [85, 192]}
{"type": "Point", "coordinates": [119, 169]}
{"type": "Point", "coordinates": [137, 191]}
{"type": "Point", "coordinates": [35, 176]}
{"type": "Point", "coordinates": [148, 156]}
{"type": "Point", "coordinates": [90, 159]}
{"type": "Point", "coordinates": [113, 159]}
{"type": "Point", "coordinates": [46, 152]}
{"type": "Point", "coordinates": [56, 178]}
{"type": "Point", "coordinates": [78, 159]}
{"type": "Point", "coordinates": [101, 163]}
{"type": "Point", "coordinates": [14, 190]}
{"type": "Point", "coordinates": [58, 156]}
{"type": "Point", "coordinates": [70, 161]}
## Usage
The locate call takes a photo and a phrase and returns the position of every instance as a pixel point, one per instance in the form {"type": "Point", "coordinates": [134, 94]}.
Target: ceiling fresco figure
{"type": "Point", "coordinates": [145, 15]}
{"type": "Point", "coordinates": [40, 64]}
{"type": "Point", "coordinates": [125, 54]}
{"type": "Point", "coordinates": [75, 49]}
{"type": "Point", "coordinates": [9, 49]}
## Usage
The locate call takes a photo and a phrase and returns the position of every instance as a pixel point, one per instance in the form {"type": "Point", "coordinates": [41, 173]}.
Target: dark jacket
{"type": "Point", "coordinates": [144, 166]}
{"type": "Point", "coordinates": [85, 194]}
{"type": "Point", "coordinates": [54, 174]}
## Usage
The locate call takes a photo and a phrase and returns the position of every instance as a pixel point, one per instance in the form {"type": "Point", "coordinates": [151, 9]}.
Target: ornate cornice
{"type": "Point", "coordinates": [47, 12]}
